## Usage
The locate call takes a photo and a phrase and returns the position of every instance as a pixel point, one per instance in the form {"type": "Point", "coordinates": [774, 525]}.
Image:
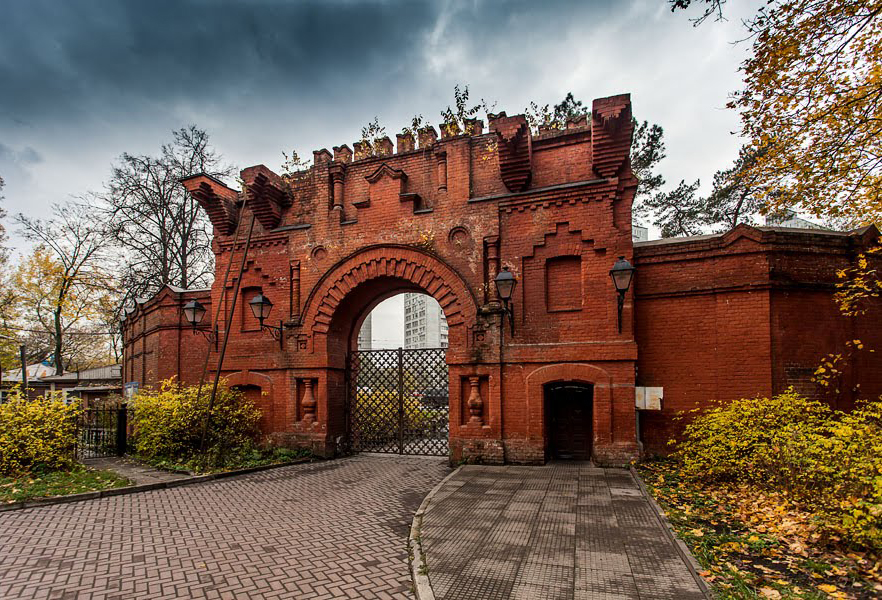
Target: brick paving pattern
{"type": "Point", "coordinates": [562, 531]}
{"type": "Point", "coordinates": [326, 530]}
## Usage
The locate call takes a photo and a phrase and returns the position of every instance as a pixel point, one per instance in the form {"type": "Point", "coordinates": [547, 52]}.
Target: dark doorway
{"type": "Point", "coordinates": [568, 418]}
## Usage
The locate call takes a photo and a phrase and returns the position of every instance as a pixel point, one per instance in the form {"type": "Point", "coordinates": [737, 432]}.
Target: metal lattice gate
{"type": "Point", "coordinates": [398, 401]}
{"type": "Point", "coordinates": [103, 432]}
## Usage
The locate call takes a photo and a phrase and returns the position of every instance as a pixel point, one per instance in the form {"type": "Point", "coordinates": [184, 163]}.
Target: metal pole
{"type": "Point", "coordinates": [217, 311]}
{"type": "Point", "coordinates": [223, 351]}
{"type": "Point", "coordinates": [24, 370]}
{"type": "Point", "coordinates": [121, 427]}
{"type": "Point", "coordinates": [400, 400]}
{"type": "Point", "coordinates": [621, 306]}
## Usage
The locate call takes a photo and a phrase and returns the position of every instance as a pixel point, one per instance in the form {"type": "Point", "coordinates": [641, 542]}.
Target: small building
{"type": "Point", "coordinates": [89, 385]}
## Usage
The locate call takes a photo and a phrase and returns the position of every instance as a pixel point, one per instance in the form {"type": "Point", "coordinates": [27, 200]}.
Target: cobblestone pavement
{"type": "Point", "coordinates": [336, 529]}
{"type": "Point", "coordinates": [565, 531]}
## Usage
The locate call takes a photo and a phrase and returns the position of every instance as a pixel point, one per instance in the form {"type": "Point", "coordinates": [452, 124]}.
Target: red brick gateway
{"type": "Point", "coordinates": [745, 313]}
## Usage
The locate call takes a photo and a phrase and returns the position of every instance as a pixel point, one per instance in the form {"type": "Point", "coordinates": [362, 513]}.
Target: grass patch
{"type": "Point", "coordinates": [756, 544]}
{"type": "Point", "coordinates": [235, 459]}
{"type": "Point", "coordinates": [57, 483]}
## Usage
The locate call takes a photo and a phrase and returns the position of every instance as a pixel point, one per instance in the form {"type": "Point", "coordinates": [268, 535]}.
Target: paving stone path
{"type": "Point", "coordinates": [138, 473]}
{"type": "Point", "coordinates": [336, 529]}
{"type": "Point", "coordinates": [565, 531]}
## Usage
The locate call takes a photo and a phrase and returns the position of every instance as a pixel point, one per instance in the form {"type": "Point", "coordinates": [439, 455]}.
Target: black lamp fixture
{"type": "Point", "coordinates": [194, 312]}
{"type": "Point", "coordinates": [261, 308]}
{"type": "Point", "coordinates": [505, 284]}
{"type": "Point", "coordinates": [622, 273]}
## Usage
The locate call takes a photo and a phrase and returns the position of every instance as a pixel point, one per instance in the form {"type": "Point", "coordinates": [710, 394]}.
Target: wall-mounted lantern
{"type": "Point", "coordinates": [505, 284]}
{"type": "Point", "coordinates": [622, 273]}
{"type": "Point", "coordinates": [261, 308]}
{"type": "Point", "coordinates": [194, 312]}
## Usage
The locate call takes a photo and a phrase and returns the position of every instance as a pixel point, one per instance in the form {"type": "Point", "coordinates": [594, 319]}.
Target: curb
{"type": "Point", "coordinates": [680, 545]}
{"type": "Point", "coordinates": [145, 487]}
{"type": "Point", "coordinates": [422, 587]}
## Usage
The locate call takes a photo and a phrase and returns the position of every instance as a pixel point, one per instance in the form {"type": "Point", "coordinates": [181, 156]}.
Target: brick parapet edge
{"type": "Point", "coordinates": [422, 585]}
{"type": "Point", "coordinates": [680, 545]}
{"type": "Point", "coordinates": [146, 487]}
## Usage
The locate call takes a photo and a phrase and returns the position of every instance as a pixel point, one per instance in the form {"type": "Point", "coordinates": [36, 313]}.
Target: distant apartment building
{"type": "Point", "coordinates": [639, 233]}
{"type": "Point", "coordinates": [425, 325]}
{"type": "Point", "coordinates": [365, 335]}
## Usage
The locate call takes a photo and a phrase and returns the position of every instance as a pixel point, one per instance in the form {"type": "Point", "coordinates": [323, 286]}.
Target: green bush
{"type": "Point", "coordinates": [168, 423]}
{"type": "Point", "coordinates": [829, 461]}
{"type": "Point", "coordinates": [38, 434]}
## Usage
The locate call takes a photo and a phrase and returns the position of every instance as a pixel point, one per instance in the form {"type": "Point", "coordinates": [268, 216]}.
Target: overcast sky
{"type": "Point", "coordinates": [83, 81]}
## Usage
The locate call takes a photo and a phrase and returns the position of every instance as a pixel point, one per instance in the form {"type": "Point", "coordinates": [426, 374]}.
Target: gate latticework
{"type": "Point", "coordinates": [398, 401]}
{"type": "Point", "coordinates": [103, 432]}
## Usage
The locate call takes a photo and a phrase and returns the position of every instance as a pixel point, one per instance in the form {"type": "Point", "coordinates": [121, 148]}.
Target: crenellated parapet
{"type": "Point", "coordinates": [611, 131]}
{"type": "Point", "coordinates": [515, 150]}
{"type": "Point", "coordinates": [267, 195]}
{"type": "Point", "coordinates": [218, 201]}
{"type": "Point", "coordinates": [432, 169]}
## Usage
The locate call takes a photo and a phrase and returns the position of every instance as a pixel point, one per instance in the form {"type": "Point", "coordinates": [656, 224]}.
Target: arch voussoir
{"type": "Point", "coordinates": [414, 266]}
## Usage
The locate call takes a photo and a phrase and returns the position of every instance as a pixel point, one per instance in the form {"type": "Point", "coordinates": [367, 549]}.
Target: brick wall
{"type": "Point", "coordinates": [743, 314]}
{"type": "Point", "coordinates": [443, 215]}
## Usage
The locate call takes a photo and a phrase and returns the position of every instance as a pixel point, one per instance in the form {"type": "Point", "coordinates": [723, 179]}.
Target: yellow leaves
{"type": "Point", "coordinates": [812, 80]}
{"type": "Point", "coordinates": [828, 588]}
{"type": "Point", "coordinates": [767, 592]}
{"type": "Point", "coordinates": [39, 433]}
{"type": "Point", "coordinates": [168, 422]}
{"type": "Point", "coordinates": [697, 533]}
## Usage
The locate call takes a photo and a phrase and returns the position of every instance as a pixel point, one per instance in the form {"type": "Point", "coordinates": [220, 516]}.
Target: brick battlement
{"type": "Point", "coordinates": [345, 181]}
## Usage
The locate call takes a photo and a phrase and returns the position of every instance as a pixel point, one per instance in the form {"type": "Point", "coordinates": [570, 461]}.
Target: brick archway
{"type": "Point", "coordinates": [592, 375]}
{"type": "Point", "coordinates": [443, 216]}
{"type": "Point", "coordinates": [258, 388]}
{"type": "Point", "coordinates": [338, 304]}
{"type": "Point", "coordinates": [423, 270]}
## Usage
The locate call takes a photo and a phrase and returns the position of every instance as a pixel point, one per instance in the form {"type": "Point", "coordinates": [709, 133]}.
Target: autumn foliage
{"type": "Point", "coordinates": [168, 422]}
{"type": "Point", "coordinates": [38, 434]}
{"type": "Point", "coordinates": [825, 460]}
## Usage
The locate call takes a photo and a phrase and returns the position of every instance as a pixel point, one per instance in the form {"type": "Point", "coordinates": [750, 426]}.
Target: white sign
{"type": "Point", "coordinates": [648, 398]}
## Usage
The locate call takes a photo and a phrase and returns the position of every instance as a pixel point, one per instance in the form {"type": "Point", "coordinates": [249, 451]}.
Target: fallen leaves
{"type": "Point", "coordinates": [754, 543]}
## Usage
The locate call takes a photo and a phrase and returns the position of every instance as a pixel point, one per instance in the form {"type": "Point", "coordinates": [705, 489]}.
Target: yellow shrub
{"type": "Point", "coordinates": [168, 422]}
{"type": "Point", "coordinates": [750, 439]}
{"type": "Point", "coordinates": [828, 460]}
{"type": "Point", "coordinates": [844, 473]}
{"type": "Point", "coordinates": [37, 434]}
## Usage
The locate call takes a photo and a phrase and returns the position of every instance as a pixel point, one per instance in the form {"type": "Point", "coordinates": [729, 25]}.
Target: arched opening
{"type": "Point", "coordinates": [398, 379]}
{"type": "Point", "coordinates": [334, 313]}
{"type": "Point", "coordinates": [254, 394]}
{"type": "Point", "coordinates": [397, 389]}
{"type": "Point", "coordinates": [569, 417]}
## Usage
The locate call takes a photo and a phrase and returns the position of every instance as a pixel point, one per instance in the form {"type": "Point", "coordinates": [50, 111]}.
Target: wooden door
{"type": "Point", "coordinates": [569, 422]}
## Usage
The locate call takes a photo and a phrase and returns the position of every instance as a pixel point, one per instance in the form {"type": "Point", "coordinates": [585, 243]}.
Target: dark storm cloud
{"type": "Point", "coordinates": [60, 58]}
{"type": "Point", "coordinates": [68, 59]}
{"type": "Point", "coordinates": [82, 81]}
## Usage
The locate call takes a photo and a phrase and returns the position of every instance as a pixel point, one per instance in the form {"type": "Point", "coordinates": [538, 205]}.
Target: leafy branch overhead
{"type": "Point", "coordinates": [811, 105]}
